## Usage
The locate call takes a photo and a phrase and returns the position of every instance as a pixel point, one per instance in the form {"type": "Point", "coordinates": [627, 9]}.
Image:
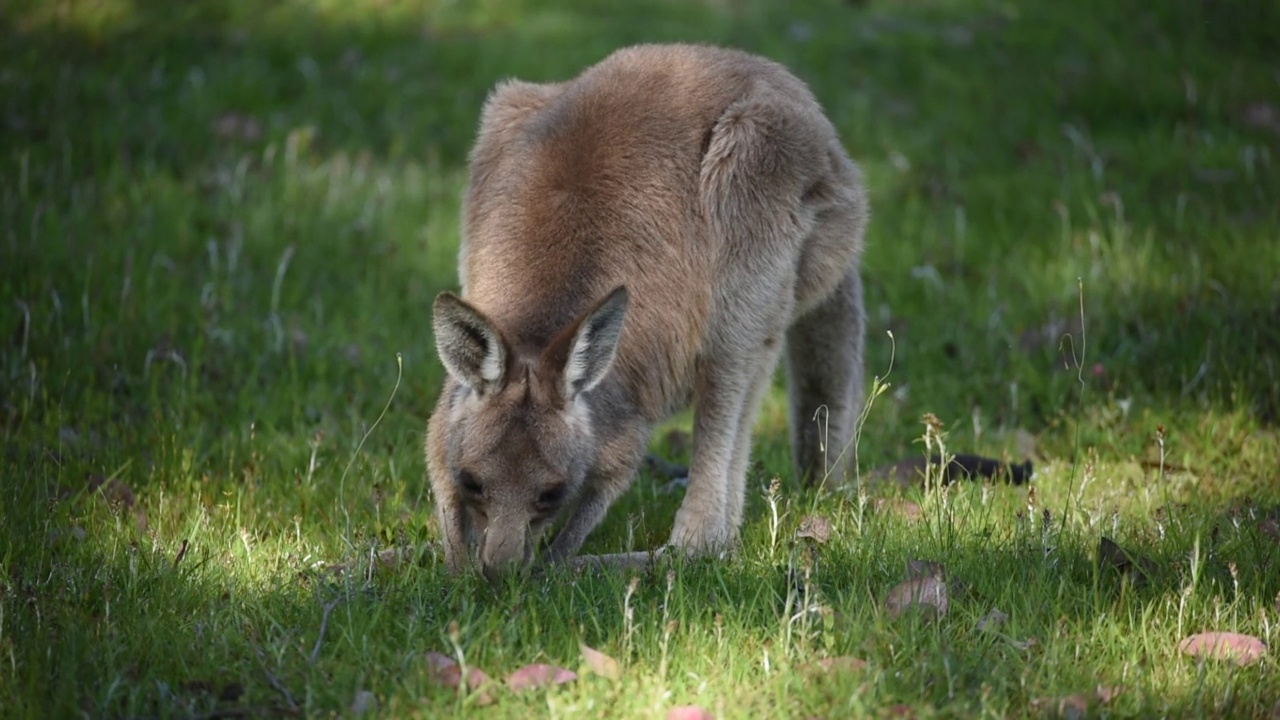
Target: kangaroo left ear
{"type": "Point", "coordinates": [593, 344]}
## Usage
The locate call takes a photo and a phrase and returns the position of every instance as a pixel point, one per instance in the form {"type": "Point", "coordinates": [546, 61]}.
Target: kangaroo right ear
{"type": "Point", "coordinates": [470, 347]}
{"type": "Point", "coordinates": [595, 343]}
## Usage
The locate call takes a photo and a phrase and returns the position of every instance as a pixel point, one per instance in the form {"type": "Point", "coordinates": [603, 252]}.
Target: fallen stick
{"type": "Point", "coordinates": [961, 467]}
{"type": "Point", "coordinates": [645, 560]}
{"type": "Point", "coordinates": [324, 625]}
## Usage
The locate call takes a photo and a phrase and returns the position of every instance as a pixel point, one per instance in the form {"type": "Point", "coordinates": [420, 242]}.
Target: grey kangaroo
{"type": "Point", "coordinates": [652, 233]}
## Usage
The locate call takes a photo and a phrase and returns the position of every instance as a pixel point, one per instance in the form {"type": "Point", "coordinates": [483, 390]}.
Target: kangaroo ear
{"type": "Point", "coordinates": [594, 344]}
{"type": "Point", "coordinates": [470, 347]}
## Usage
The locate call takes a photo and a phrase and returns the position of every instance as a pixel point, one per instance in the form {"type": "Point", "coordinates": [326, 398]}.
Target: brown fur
{"type": "Point", "coordinates": [648, 234]}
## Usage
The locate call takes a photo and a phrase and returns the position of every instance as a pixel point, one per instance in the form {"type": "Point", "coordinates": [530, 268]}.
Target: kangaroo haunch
{"type": "Point", "coordinates": [653, 233]}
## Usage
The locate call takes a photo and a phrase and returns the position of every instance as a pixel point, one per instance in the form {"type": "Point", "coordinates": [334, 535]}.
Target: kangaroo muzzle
{"type": "Point", "coordinates": [507, 547]}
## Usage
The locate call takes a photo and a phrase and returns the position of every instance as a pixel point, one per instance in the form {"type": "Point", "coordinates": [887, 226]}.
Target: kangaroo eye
{"type": "Point", "coordinates": [552, 496]}
{"type": "Point", "coordinates": [468, 482]}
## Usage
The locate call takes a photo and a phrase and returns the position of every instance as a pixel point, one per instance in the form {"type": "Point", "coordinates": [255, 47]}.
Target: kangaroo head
{"type": "Point", "coordinates": [517, 438]}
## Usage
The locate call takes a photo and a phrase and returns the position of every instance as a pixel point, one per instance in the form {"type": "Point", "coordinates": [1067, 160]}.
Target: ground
{"type": "Point", "coordinates": [223, 226]}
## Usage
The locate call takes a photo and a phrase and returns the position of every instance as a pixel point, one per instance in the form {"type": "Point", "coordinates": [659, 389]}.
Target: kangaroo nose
{"type": "Point", "coordinates": [505, 553]}
{"type": "Point", "coordinates": [498, 572]}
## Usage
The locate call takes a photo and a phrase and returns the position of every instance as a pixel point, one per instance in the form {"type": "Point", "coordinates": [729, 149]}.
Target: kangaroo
{"type": "Point", "coordinates": [652, 233]}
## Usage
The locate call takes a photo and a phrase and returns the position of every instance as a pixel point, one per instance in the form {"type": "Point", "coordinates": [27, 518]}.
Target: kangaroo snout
{"type": "Point", "coordinates": [506, 548]}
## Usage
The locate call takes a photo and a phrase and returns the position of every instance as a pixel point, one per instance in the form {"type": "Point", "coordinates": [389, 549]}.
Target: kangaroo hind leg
{"type": "Point", "coordinates": [824, 382]}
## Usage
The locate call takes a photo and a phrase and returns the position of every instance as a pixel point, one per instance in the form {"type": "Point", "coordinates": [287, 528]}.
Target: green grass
{"type": "Point", "coordinates": [216, 319]}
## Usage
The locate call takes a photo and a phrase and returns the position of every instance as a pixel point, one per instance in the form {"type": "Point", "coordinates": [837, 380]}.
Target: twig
{"type": "Point", "coordinates": [1163, 467]}
{"type": "Point", "coordinates": [324, 625]}
{"type": "Point", "coordinates": [284, 691]}
{"type": "Point", "coordinates": [182, 552]}
{"type": "Point", "coordinates": [271, 679]}
{"type": "Point", "coordinates": [642, 560]}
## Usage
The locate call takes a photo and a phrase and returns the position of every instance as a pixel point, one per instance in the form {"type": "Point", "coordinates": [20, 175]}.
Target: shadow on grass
{"type": "Point", "coordinates": [134, 630]}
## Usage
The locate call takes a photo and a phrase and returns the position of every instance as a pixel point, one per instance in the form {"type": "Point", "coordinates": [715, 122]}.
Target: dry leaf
{"type": "Point", "coordinates": [439, 661]}
{"type": "Point", "coordinates": [991, 620]}
{"type": "Point", "coordinates": [925, 568]}
{"type": "Point", "coordinates": [1073, 707]}
{"type": "Point", "coordinates": [1271, 528]}
{"type": "Point", "coordinates": [1137, 567]}
{"type": "Point", "coordinates": [1110, 554]}
{"type": "Point", "coordinates": [906, 508]}
{"type": "Point", "coordinates": [689, 712]}
{"type": "Point", "coordinates": [840, 665]}
{"type": "Point", "coordinates": [1243, 649]}
{"type": "Point", "coordinates": [927, 593]}
{"type": "Point", "coordinates": [599, 663]}
{"type": "Point", "coordinates": [1106, 693]}
{"type": "Point", "coordinates": [113, 490]}
{"type": "Point", "coordinates": [816, 528]}
{"type": "Point", "coordinates": [363, 703]}
{"type": "Point", "coordinates": [537, 675]}
{"type": "Point", "coordinates": [1023, 644]}
{"type": "Point", "coordinates": [118, 494]}
{"type": "Point", "coordinates": [443, 671]}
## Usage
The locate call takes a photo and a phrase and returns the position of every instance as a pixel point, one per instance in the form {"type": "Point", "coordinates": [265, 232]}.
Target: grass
{"type": "Point", "coordinates": [223, 226]}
